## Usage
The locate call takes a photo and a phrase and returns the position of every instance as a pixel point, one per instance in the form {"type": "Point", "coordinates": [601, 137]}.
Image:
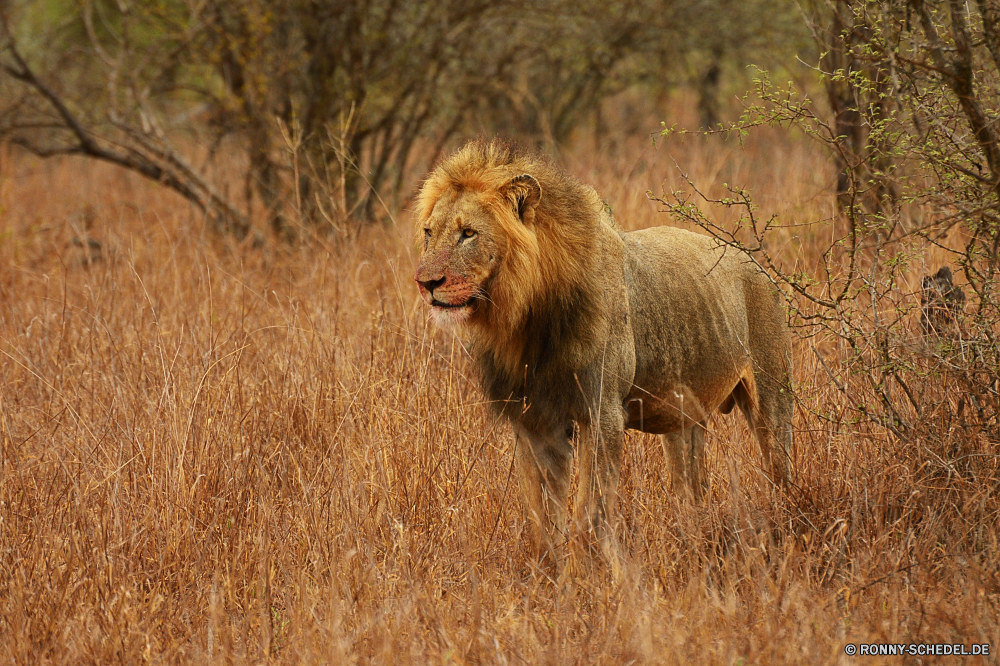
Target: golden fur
{"type": "Point", "coordinates": [573, 322]}
{"type": "Point", "coordinates": [551, 260]}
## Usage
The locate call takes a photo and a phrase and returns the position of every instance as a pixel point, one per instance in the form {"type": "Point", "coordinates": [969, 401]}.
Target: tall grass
{"type": "Point", "coordinates": [212, 453]}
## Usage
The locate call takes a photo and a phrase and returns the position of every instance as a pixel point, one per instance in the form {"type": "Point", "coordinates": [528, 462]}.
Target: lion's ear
{"type": "Point", "coordinates": [524, 193]}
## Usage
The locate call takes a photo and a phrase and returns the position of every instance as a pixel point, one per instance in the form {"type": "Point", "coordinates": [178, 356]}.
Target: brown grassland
{"type": "Point", "coordinates": [214, 453]}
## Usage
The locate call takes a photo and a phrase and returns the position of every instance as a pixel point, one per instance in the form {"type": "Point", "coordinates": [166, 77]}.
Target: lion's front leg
{"type": "Point", "coordinates": [597, 495]}
{"type": "Point", "coordinates": [544, 465]}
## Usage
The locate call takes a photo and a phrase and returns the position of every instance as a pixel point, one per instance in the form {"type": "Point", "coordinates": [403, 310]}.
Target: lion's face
{"type": "Point", "coordinates": [465, 244]}
{"type": "Point", "coordinates": [462, 247]}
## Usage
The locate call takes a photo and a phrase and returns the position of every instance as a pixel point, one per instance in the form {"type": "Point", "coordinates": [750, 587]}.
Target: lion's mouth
{"type": "Point", "coordinates": [450, 306]}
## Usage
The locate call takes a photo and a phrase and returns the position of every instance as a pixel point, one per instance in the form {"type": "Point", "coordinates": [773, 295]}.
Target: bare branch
{"type": "Point", "coordinates": [185, 182]}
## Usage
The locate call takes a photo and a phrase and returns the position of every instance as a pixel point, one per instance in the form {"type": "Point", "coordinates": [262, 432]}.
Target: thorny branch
{"type": "Point", "coordinates": [927, 146]}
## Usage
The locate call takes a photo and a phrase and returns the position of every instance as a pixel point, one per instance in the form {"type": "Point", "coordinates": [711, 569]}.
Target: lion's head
{"type": "Point", "coordinates": [508, 242]}
{"type": "Point", "coordinates": [471, 234]}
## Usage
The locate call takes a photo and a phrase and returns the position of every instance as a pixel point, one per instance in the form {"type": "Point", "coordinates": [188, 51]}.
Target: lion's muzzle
{"type": "Point", "coordinates": [444, 289]}
{"type": "Point", "coordinates": [430, 285]}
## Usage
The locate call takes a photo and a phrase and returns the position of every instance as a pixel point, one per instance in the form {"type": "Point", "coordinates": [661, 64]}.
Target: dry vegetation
{"type": "Point", "coordinates": [219, 454]}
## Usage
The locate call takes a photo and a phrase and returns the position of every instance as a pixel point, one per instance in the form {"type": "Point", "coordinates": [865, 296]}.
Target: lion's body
{"type": "Point", "coordinates": [572, 321]}
{"type": "Point", "coordinates": [702, 318]}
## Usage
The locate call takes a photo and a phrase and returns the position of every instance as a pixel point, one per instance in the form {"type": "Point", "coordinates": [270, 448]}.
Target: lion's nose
{"type": "Point", "coordinates": [431, 285]}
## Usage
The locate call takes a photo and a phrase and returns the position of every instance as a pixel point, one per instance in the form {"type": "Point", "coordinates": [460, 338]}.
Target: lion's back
{"type": "Point", "coordinates": [693, 303]}
{"type": "Point", "coordinates": [693, 268]}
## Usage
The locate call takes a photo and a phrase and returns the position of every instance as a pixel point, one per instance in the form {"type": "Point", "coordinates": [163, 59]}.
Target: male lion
{"type": "Point", "coordinates": [570, 320]}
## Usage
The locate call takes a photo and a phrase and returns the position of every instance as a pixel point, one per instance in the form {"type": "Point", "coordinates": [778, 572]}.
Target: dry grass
{"type": "Point", "coordinates": [214, 454]}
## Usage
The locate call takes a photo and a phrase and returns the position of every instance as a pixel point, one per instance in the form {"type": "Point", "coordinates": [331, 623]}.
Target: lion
{"type": "Point", "coordinates": [572, 321]}
{"type": "Point", "coordinates": [941, 302]}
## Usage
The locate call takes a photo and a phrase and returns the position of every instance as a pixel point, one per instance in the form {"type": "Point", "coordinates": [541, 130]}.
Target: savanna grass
{"type": "Point", "coordinates": [215, 453]}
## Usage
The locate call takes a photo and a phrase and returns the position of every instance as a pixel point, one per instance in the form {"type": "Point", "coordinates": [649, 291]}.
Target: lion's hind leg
{"type": "Point", "coordinates": [767, 401]}
{"type": "Point", "coordinates": [685, 453]}
{"type": "Point", "coordinates": [768, 406]}
{"type": "Point", "coordinates": [684, 448]}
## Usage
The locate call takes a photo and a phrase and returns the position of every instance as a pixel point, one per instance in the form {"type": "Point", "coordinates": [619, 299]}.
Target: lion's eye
{"type": "Point", "coordinates": [427, 233]}
{"type": "Point", "coordinates": [468, 233]}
